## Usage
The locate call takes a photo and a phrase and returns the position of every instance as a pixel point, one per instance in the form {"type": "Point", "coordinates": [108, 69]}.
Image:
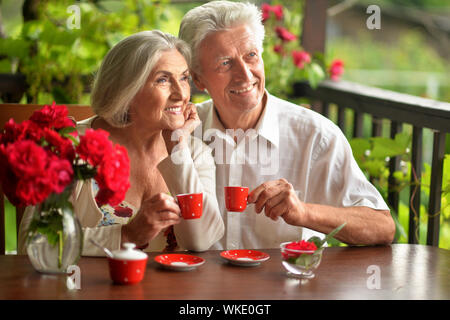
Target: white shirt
{"type": "Point", "coordinates": [290, 142]}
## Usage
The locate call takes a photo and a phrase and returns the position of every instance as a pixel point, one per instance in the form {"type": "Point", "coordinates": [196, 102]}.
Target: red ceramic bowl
{"type": "Point", "coordinates": [127, 266]}
{"type": "Point", "coordinates": [127, 271]}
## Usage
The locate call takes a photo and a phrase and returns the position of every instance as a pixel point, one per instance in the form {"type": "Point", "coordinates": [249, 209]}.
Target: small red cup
{"type": "Point", "coordinates": [236, 198]}
{"type": "Point", "coordinates": [191, 205]}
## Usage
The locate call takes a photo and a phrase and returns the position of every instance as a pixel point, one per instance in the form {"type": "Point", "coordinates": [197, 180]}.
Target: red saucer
{"type": "Point", "coordinates": [180, 262]}
{"type": "Point", "coordinates": [245, 257]}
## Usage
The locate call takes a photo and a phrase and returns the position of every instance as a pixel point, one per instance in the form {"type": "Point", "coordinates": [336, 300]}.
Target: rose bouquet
{"type": "Point", "coordinates": [42, 158]}
{"type": "Point", "coordinates": [302, 257]}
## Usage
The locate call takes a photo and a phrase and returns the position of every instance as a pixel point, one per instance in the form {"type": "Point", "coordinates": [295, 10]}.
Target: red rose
{"type": "Point", "coordinates": [267, 9]}
{"type": "Point", "coordinates": [60, 173]}
{"type": "Point", "coordinates": [27, 130]}
{"type": "Point", "coordinates": [26, 159]}
{"type": "Point", "coordinates": [61, 146]}
{"type": "Point", "coordinates": [94, 146]}
{"type": "Point", "coordinates": [284, 34]}
{"type": "Point", "coordinates": [33, 191]}
{"type": "Point", "coordinates": [278, 11]}
{"type": "Point", "coordinates": [7, 177]}
{"type": "Point", "coordinates": [24, 174]}
{"type": "Point", "coordinates": [113, 177]}
{"type": "Point", "coordinates": [291, 249]}
{"type": "Point", "coordinates": [336, 69]}
{"type": "Point", "coordinates": [278, 48]}
{"type": "Point", "coordinates": [300, 58]}
{"type": "Point", "coordinates": [53, 116]}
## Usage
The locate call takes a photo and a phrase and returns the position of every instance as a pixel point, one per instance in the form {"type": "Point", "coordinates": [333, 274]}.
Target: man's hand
{"type": "Point", "coordinates": [279, 199]}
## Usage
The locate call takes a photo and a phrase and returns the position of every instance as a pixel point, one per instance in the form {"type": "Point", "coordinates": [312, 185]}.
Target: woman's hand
{"type": "Point", "coordinates": [181, 135]}
{"type": "Point", "coordinates": [155, 214]}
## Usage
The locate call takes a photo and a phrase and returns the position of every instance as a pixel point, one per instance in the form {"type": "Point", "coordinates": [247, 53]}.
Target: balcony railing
{"type": "Point", "coordinates": [399, 109]}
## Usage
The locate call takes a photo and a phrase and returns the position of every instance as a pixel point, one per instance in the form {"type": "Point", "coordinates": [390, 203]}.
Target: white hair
{"type": "Point", "coordinates": [125, 69]}
{"type": "Point", "coordinates": [215, 16]}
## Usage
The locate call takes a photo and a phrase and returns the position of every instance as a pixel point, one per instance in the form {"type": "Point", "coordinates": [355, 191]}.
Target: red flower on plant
{"type": "Point", "coordinates": [336, 69]}
{"type": "Point", "coordinates": [267, 9]}
{"type": "Point", "coordinates": [284, 34]}
{"type": "Point", "coordinates": [300, 58]}
{"type": "Point", "coordinates": [278, 48]}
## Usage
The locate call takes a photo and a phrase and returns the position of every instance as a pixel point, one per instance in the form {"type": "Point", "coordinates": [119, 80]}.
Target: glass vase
{"type": "Point", "coordinates": [56, 240]}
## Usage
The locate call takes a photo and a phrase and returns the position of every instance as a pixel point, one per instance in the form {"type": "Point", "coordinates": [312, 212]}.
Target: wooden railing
{"type": "Point", "coordinates": [399, 109]}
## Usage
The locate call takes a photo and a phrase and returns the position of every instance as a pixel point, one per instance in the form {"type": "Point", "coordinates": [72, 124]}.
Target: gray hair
{"type": "Point", "coordinates": [216, 16]}
{"type": "Point", "coordinates": [125, 69]}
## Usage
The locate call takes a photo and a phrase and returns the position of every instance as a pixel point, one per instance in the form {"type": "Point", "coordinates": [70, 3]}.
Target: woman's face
{"type": "Point", "coordinates": [161, 102]}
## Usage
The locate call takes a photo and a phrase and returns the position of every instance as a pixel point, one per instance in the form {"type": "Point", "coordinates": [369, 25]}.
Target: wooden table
{"type": "Point", "coordinates": [406, 272]}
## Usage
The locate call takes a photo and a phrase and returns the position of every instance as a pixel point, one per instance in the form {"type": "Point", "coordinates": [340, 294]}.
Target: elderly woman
{"type": "Point", "coordinates": [141, 95]}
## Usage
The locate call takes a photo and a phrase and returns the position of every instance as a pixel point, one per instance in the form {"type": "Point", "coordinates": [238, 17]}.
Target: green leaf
{"type": "Point", "coordinates": [6, 66]}
{"type": "Point", "coordinates": [317, 241]}
{"type": "Point", "coordinates": [403, 139]}
{"type": "Point", "coordinates": [385, 147]}
{"type": "Point", "coordinates": [359, 147]}
{"type": "Point", "coordinates": [66, 131]}
{"type": "Point", "coordinates": [399, 230]}
{"type": "Point", "coordinates": [333, 233]}
{"type": "Point", "coordinates": [14, 47]}
{"type": "Point", "coordinates": [375, 167]}
{"type": "Point", "coordinates": [320, 242]}
{"type": "Point", "coordinates": [304, 260]}
{"type": "Point", "coordinates": [111, 6]}
{"type": "Point", "coordinates": [315, 74]}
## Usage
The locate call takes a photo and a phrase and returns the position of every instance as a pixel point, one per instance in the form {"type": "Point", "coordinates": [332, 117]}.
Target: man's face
{"type": "Point", "coordinates": [232, 70]}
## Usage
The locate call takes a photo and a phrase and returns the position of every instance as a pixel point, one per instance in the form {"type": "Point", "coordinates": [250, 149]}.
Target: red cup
{"type": "Point", "coordinates": [236, 198]}
{"type": "Point", "coordinates": [191, 205]}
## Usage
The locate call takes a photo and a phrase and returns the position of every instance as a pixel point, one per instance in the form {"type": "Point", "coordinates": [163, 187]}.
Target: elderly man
{"type": "Point", "coordinates": [315, 184]}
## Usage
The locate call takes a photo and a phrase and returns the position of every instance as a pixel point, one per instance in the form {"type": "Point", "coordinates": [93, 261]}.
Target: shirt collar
{"type": "Point", "coordinates": [267, 125]}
